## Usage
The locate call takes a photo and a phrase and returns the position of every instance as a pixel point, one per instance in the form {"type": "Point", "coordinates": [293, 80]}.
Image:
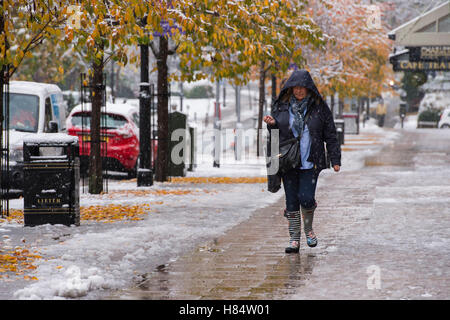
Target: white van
{"type": "Point", "coordinates": [34, 108]}
{"type": "Point", "coordinates": [444, 122]}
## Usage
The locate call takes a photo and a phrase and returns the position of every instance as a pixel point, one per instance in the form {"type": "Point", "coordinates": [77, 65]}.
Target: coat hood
{"type": "Point", "coordinates": [300, 78]}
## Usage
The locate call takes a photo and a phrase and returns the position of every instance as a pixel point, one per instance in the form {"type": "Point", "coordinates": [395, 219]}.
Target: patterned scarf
{"type": "Point", "coordinates": [298, 109]}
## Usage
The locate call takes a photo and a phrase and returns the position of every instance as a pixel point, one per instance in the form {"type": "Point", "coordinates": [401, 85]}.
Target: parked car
{"type": "Point", "coordinates": [444, 122]}
{"type": "Point", "coordinates": [428, 118]}
{"type": "Point", "coordinates": [34, 109]}
{"type": "Point", "coordinates": [119, 126]}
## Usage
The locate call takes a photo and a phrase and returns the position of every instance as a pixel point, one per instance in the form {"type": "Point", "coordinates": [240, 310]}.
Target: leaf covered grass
{"type": "Point", "coordinates": [218, 180]}
{"type": "Point", "coordinates": [17, 262]}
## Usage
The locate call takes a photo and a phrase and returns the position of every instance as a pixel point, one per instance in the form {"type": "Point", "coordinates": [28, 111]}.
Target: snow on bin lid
{"type": "Point", "coordinates": [51, 138]}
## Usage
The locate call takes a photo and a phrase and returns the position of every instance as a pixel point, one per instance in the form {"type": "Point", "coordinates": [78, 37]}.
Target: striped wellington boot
{"type": "Point", "coordinates": [308, 216]}
{"type": "Point", "coordinates": [294, 220]}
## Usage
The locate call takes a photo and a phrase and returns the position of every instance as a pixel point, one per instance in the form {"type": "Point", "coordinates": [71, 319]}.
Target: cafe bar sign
{"type": "Point", "coordinates": [435, 53]}
{"type": "Point", "coordinates": [422, 65]}
{"type": "Point", "coordinates": [431, 53]}
{"type": "Point", "coordinates": [429, 58]}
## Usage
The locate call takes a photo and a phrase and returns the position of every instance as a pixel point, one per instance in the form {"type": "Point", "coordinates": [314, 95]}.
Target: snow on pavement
{"type": "Point", "coordinates": [389, 237]}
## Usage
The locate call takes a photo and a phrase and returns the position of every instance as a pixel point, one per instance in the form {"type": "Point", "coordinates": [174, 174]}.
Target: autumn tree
{"type": "Point", "coordinates": [149, 25]}
{"type": "Point", "coordinates": [41, 66]}
{"type": "Point", "coordinates": [99, 35]}
{"type": "Point", "coordinates": [277, 31]}
{"type": "Point", "coordinates": [229, 39]}
{"type": "Point", "coordinates": [354, 60]}
{"type": "Point", "coordinates": [204, 35]}
{"type": "Point", "coordinates": [24, 25]}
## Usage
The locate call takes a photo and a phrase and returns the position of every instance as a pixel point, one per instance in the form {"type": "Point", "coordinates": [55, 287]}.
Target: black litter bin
{"type": "Point", "coordinates": [52, 179]}
{"type": "Point", "coordinates": [340, 129]}
{"type": "Point", "coordinates": [177, 166]}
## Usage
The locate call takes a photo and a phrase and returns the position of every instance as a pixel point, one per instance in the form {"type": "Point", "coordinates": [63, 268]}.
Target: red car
{"type": "Point", "coordinates": [120, 127]}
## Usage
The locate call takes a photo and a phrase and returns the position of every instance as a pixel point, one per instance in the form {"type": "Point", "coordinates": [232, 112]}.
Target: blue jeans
{"type": "Point", "coordinates": [300, 188]}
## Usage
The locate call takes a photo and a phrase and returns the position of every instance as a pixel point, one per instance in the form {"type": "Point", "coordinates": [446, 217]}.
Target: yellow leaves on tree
{"type": "Point", "coordinates": [354, 60]}
{"type": "Point", "coordinates": [39, 20]}
{"type": "Point", "coordinates": [234, 37]}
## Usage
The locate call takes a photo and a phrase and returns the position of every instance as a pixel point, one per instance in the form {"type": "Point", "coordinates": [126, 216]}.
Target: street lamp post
{"type": "Point", "coordinates": [217, 127]}
{"type": "Point", "coordinates": [144, 171]}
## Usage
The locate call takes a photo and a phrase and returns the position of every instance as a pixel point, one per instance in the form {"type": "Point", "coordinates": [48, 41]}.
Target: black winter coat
{"type": "Point", "coordinates": [320, 124]}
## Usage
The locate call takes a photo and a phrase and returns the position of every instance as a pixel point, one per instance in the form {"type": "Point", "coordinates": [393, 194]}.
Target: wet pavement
{"type": "Point", "coordinates": [383, 234]}
{"type": "Point", "coordinates": [246, 263]}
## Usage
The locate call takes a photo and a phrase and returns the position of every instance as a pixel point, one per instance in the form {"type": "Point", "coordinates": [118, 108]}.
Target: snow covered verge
{"type": "Point", "coordinates": [88, 261]}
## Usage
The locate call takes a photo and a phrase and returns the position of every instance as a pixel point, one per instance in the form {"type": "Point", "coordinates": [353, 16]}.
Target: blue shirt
{"type": "Point", "coordinates": [305, 141]}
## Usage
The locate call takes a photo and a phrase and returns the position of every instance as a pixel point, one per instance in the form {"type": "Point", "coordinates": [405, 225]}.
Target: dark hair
{"type": "Point", "coordinates": [287, 95]}
{"type": "Point", "coordinates": [290, 91]}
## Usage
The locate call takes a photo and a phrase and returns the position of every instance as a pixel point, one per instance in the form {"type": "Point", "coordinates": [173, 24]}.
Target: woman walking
{"type": "Point", "coordinates": [300, 112]}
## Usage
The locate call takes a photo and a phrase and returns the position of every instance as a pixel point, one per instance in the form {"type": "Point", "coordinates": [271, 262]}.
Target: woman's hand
{"type": "Point", "coordinates": [269, 120]}
{"type": "Point", "coordinates": [336, 168]}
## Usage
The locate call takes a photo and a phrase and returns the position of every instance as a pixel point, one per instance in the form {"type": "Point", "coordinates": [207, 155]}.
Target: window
{"type": "Point", "coordinates": [429, 28]}
{"type": "Point", "coordinates": [82, 120]}
{"type": "Point", "coordinates": [108, 121]}
{"type": "Point", "coordinates": [48, 115]}
{"type": "Point", "coordinates": [444, 24]}
{"type": "Point", "coordinates": [23, 112]}
{"type": "Point", "coordinates": [113, 121]}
